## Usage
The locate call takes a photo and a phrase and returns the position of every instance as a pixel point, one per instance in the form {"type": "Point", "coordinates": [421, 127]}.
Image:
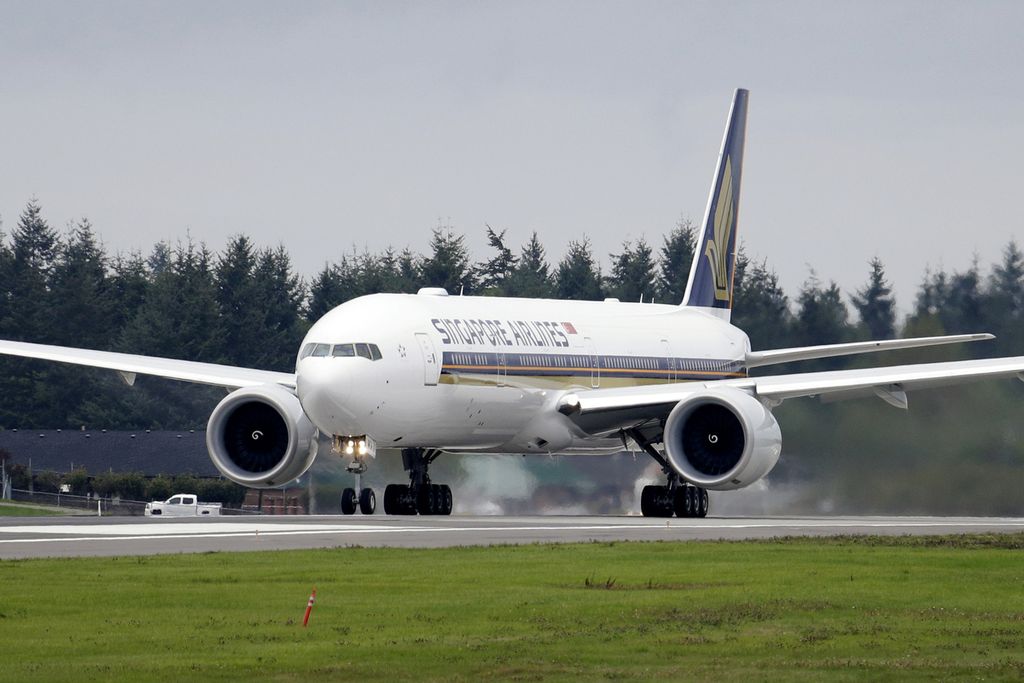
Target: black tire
{"type": "Point", "coordinates": [423, 500]}
{"type": "Point", "coordinates": [367, 501]}
{"type": "Point", "coordinates": [648, 504]}
{"type": "Point", "coordinates": [704, 504]}
{"type": "Point", "coordinates": [447, 500]}
{"type": "Point", "coordinates": [392, 500]}
{"type": "Point", "coordinates": [348, 502]}
{"type": "Point", "coordinates": [679, 501]}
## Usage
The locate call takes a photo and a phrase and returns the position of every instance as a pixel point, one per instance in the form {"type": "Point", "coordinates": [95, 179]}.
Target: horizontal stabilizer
{"type": "Point", "coordinates": [756, 359]}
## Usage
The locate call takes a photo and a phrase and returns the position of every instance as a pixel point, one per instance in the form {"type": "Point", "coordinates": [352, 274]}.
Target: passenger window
{"type": "Point", "coordinates": [344, 350]}
{"type": "Point", "coordinates": [175, 501]}
{"type": "Point", "coordinates": [321, 350]}
{"type": "Point", "coordinates": [363, 350]}
{"type": "Point", "coordinates": [306, 350]}
{"type": "Point", "coordinates": [375, 352]}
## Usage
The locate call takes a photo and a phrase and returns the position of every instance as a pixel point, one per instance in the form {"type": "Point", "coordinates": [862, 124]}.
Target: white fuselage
{"type": "Point", "coordinates": [482, 373]}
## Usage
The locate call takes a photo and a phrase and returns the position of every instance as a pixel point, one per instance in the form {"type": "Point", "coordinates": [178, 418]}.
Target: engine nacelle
{"type": "Point", "coordinates": [722, 439]}
{"type": "Point", "coordinates": [260, 437]}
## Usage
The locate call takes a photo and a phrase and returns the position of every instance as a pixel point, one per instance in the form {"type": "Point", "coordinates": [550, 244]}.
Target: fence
{"type": "Point", "coordinates": [107, 506]}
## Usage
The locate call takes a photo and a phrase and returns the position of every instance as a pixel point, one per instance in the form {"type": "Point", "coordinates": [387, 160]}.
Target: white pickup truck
{"type": "Point", "coordinates": [182, 505]}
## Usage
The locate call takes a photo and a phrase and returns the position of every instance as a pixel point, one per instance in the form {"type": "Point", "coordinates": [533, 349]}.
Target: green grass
{"type": "Point", "coordinates": [18, 510]}
{"type": "Point", "coordinates": [845, 609]}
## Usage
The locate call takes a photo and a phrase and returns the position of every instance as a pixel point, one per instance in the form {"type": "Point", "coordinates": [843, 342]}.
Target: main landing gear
{"type": "Point", "coordinates": [419, 495]}
{"type": "Point", "coordinates": [678, 497]}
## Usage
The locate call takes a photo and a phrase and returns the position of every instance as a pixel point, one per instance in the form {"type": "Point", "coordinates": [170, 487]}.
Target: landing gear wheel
{"type": "Point", "coordinates": [702, 503]}
{"type": "Point", "coordinates": [648, 505]}
{"type": "Point", "coordinates": [656, 501]}
{"type": "Point", "coordinates": [681, 500]}
{"type": "Point", "coordinates": [367, 501]}
{"type": "Point", "coordinates": [446, 499]}
{"type": "Point", "coordinates": [394, 500]}
{"type": "Point", "coordinates": [348, 502]}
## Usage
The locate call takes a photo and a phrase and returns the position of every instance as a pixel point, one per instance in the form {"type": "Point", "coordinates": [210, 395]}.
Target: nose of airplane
{"type": "Point", "coordinates": [323, 385]}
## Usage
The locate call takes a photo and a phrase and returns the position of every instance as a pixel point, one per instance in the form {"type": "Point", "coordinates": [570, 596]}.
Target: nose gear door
{"type": "Point", "coordinates": [431, 363]}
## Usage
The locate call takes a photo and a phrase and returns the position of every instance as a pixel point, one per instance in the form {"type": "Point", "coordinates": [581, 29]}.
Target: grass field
{"type": "Point", "coordinates": [19, 510]}
{"type": "Point", "coordinates": [846, 609]}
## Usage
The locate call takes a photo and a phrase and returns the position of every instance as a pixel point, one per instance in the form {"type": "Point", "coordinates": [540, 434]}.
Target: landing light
{"type": "Point", "coordinates": [356, 446]}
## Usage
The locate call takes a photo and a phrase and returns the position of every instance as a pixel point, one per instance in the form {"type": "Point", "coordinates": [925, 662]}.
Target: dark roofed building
{"type": "Point", "coordinates": [148, 452]}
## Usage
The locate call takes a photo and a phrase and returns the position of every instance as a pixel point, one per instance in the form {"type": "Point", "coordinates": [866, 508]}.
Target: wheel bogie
{"type": "Point", "coordinates": [683, 501]}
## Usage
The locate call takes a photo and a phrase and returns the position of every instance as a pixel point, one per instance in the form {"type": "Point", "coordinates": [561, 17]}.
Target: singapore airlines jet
{"type": "Point", "coordinates": [431, 373]}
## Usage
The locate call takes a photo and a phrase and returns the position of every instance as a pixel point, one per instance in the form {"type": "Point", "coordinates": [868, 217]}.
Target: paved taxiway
{"type": "Point", "coordinates": [77, 536]}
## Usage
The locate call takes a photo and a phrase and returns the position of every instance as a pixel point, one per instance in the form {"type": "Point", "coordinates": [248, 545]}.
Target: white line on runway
{"type": "Point", "coordinates": [198, 531]}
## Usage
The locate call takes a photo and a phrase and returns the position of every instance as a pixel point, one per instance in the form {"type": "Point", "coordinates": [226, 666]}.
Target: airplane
{"type": "Point", "coordinates": [430, 373]}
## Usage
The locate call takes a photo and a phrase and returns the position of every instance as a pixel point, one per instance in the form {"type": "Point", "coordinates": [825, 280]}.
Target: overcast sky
{"type": "Point", "coordinates": [891, 129]}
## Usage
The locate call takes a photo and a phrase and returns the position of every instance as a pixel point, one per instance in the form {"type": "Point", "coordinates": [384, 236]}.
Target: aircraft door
{"type": "Point", "coordinates": [670, 360]}
{"type": "Point", "coordinates": [431, 363]}
{"type": "Point", "coordinates": [502, 368]}
{"type": "Point", "coordinates": [595, 366]}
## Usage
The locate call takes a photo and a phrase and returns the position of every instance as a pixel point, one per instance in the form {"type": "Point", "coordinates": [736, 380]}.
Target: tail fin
{"type": "Point", "coordinates": [714, 261]}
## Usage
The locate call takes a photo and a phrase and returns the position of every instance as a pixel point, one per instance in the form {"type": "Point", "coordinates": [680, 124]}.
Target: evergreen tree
{"type": "Point", "coordinates": [83, 314]}
{"type": "Point", "coordinates": [5, 279]}
{"type": "Point", "coordinates": [24, 383]}
{"type": "Point", "coordinates": [448, 265]}
{"type": "Point", "coordinates": [676, 259]}
{"type": "Point", "coordinates": [632, 273]}
{"type": "Point", "coordinates": [33, 250]}
{"type": "Point", "coordinates": [875, 304]}
{"type": "Point", "coordinates": [129, 284]}
{"type": "Point", "coordinates": [1004, 312]}
{"type": "Point", "coordinates": [239, 303]}
{"type": "Point", "coordinates": [179, 318]}
{"type": "Point", "coordinates": [532, 274]}
{"type": "Point", "coordinates": [279, 291]}
{"type": "Point", "coordinates": [761, 307]}
{"type": "Point", "coordinates": [325, 292]}
{"type": "Point", "coordinates": [822, 317]}
{"type": "Point", "coordinates": [578, 276]}
{"type": "Point", "coordinates": [82, 299]}
{"type": "Point", "coordinates": [160, 258]}
{"type": "Point", "coordinates": [931, 294]}
{"type": "Point", "coordinates": [398, 272]}
{"type": "Point", "coordinates": [495, 273]}
{"type": "Point", "coordinates": [408, 274]}
{"type": "Point", "coordinates": [962, 311]}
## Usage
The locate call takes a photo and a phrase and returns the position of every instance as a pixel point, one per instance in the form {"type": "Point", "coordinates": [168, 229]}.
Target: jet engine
{"type": "Point", "coordinates": [259, 437]}
{"type": "Point", "coordinates": [722, 439]}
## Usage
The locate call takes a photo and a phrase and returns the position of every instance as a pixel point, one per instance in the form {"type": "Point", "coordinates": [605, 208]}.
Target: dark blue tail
{"type": "Point", "coordinates": [714, 262]}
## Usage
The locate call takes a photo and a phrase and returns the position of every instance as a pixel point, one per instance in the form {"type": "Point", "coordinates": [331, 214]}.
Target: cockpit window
{"type": "Point", "coordinates": [349, 350]}
{"type": "Point", "coordinates": [344, 350]}
{"type": "Point", "coordinates": [321, 350]}
{"type": "Point", "coordinates": [306, 350]}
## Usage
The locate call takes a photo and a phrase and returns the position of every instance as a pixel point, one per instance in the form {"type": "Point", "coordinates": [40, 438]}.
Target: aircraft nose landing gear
{"type": "Point", "coordinates": [352, 498]}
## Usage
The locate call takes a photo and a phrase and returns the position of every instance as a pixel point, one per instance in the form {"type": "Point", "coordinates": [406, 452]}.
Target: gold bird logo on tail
{"type": "Point", "coordinates": [717, 249]}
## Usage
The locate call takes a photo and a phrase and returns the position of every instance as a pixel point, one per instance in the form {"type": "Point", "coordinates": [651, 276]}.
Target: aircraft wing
{"type": "Point", "coordinates": [130, 365]}
{"type": "Point", "coordinates": [605, 409]}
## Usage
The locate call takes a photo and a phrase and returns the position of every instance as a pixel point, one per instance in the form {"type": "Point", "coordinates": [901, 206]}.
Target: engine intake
{"type": "Point", "coordinates": [722, 439]}
{"type": "Point", "coordinates": [260, 437]}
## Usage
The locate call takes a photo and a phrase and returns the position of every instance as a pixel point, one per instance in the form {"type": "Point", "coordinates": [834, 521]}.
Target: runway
{"type": "Point", "coordinates": [73, 537]}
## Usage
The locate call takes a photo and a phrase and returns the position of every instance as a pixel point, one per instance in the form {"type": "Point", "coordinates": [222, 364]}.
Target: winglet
{"type": "Point", "coordinates": [710, 285]}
